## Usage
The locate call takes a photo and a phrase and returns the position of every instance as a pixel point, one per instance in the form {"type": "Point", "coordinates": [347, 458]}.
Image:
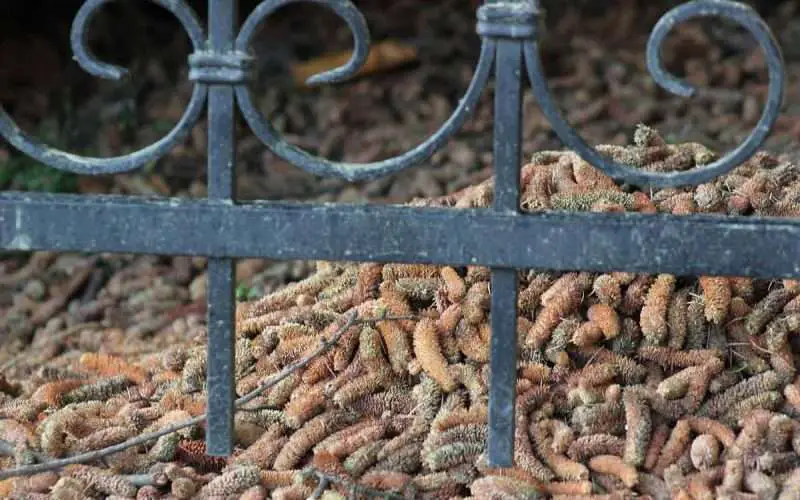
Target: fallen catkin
{"type": "Point", "coordinates": [232, 482]}
{"type": "Point", "coordinates": [716, 297]}
{"type": "Point", "coordinates": [653, 317]}
{"type": "Point", "coordinates": [638, 426]}
{"type": "Point", "coordinates": [307, 436]}
{"type": "Point", "coordinates": [429, 353]}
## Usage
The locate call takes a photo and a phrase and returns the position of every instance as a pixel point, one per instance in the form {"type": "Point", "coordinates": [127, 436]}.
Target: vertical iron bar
{"type": "Point", "coordinates": [222, 15]}
{"type": "Point", "coordinates": [507, 139]}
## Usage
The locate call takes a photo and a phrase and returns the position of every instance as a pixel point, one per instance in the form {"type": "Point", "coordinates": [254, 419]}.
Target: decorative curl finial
{"type": "Point", "coordinates": [733, 11]}
{"type": "Point", "coordinates": [347, 11]}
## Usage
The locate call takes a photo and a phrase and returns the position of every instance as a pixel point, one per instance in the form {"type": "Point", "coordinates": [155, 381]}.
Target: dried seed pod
{"type": "Point", "coordinates": [677, 443]}
{"type": "Point", "coordinates": [582, 201]}
{"type": "Point", "coordinates": [363, 458]}
{"type": "Point", "coordinates": [470, 343]}
{"type": "Point", "coordinates": [635, 295]}
{"type": "Point", "coordinates": [429, 354]}
{"type": "Point", "coordinates": [716, 297]}
{"type": "Point", "coordinates": [165, 448]}
{"type": "Point", "coordinates": [476, 303]}
{"type": "Point", "coordinates": [307, 404]}
{"type": "Point", "coordinates": [232, 482]}
{"type": "Point", "coordinates": [503, 487]}
{"type": "Point", "coordinates": [102, 480]}
{"type": "Point", "coordinates": [262, 453]}
{"type": "Point", "coordinates": [779, 434]}
{"type": "Point", "coordinates": [591, 445]}
{"type": "Point", "coordinates": [709, 197]}
{"type": "Point", "coordinates": [766, 309]}
{"type": "Point", "coordinates": [542, 434]}
{"type": "Point", "coordinates": [657, 441]}
{"type": "Point", "coordinates": [608, 290]}
{"type": "Point", "coordinates": [563, 180]}
{"type": "Point", "coordinates": [673, 358]}
{"type": "Point", "coordinates": [344, 351]}
{"type": "Point", "coordinates": [733, 476]}
{"type": "Point", "coordinates": [283, 298]}
{"type": "Point", "coordinates": [280, 393]}
{"type": "Point", "coordinates": [320, 367]}
{"type": "Point", "coordinates": [606, 318]}
{"type": "Point", "coordinates": [638, 424]}
{"type": "Point", "coordinates": [397, 345]}
{"type": "Point", "coordinates": [290, 350]}
{"type": "Point", "coordinates": [101, 390]}
{"type": "Point", "coordinates": [194, 372]}
{"type": "Point", "coordinates": [742, 287]}
{"type": "Point", "coordinates": [453, 454]}
{"type": "Point", "coordinates": [529, 296]}
{"type": "Point", "coordinates": [310, 434]}
{"type": "Point", "coordinates": [759, 384]}
{"type": "Point", "coordinates": [770, 400]}
{"type": "Point", "coordinates": [358, 388]}
{"type": "Point", "coordinates": [712, 427]}
{"type": "Point", "coordinates": [418, 289]}
{"type": "Point", "coordinates": [406, 458]}
{"type": "Point", "coordinates": [193, 452]}
{"type": "Point", "coordinates": [348, 444]}
{"type": "Point", "coordinates": [593, 375]}
{"type": "Point", "coordinates": [449, 318]}
{"type": "Point", "coordinates": [454, 284]}
{"type": "Point", "coordinates": [394, 401]}
{"type": "Point", "coordinates": [604, 418]}
{"type": "Point", "coordinates": [523, 451]}
{"type": "Point", "coordinates": [68, 488]}
{"type": "Point", "coordinates": [386, 480]}
{"type": "Point", "coordinates": [696, 324]}
{"type": "Point", "coordinates": [392, 272]}
{"type": "Point", "coordinates": [103, 438]}
{"type": "Point", "coordinates": [22, 410]}
{"type": "Point", "coordinates": [366, 288]}
{"type": "Point", "coordinates": [51, 393]}
{"type": "Point", "coordinates": [678, 318]}
{"type": "Point", "coordinates": [630, 372]}
{"type": "Point", "coordinates": [613, 465]}
{"type": "Point", "coordinates": [559, 301]}
{"type": "Point", "coordinates": [653, 318]}
{"type": "Point", "coordinates": [111, 366]}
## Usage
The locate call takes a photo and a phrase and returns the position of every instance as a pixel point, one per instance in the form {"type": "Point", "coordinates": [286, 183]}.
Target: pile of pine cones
{"type": "Point", "coordinates": [629, 385]}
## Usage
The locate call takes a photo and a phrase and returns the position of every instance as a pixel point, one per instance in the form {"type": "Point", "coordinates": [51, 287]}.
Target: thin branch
{"type": "Point", "coordinates": [145, 438]}
{"type": "Point", "coordinates": [325, 480]}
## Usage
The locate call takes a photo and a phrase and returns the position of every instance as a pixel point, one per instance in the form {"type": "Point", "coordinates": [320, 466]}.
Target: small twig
{"type": "Point", "coordinates": [326, 479]}
{"type": "Point", "coordinates": [7, 449]}
{"type": "Point", "coordinates": [139, 440]}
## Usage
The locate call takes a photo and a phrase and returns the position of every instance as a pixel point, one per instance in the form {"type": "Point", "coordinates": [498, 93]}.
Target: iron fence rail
{"type": "Point", "coordinates": [501, 238]}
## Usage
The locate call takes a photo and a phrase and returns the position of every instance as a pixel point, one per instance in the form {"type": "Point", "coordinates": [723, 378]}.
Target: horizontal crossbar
{"type": "Point", "coordinates": [681, 245]}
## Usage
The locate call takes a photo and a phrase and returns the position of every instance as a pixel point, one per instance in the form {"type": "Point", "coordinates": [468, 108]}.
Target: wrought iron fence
{"type": "Point", "coordinates": [502, 238]}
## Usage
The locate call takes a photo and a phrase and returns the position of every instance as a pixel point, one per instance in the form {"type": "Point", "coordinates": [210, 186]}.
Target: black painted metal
{"type": "Point", "coordinates": [501, 238]}
{"type": "Point", "coordinates": [221, 186]}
